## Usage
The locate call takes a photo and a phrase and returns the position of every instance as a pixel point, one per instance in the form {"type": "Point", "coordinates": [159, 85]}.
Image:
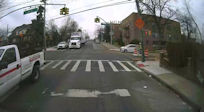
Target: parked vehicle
{"type": "Point", "coordinates": [128, 48]}
{"type": "Point", "coordinates": [14, 68]}
{"type": "Point", "coordinates": [77, 39]}
{"type": "Point", "coordinates": [62, 45]}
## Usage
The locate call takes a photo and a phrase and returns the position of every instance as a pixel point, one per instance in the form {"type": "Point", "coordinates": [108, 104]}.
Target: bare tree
{"type": "Point", "coordinates": [160, 9]}
{"type": "Point", "coordinates": [53, 34]}
{"type": "Point", "coordinates": [186, 23]}
{"type": "Point", "coordinates": [69, 27]}
{"type": "Point", "coordinates": [188, 10]}
{"type": "Point", "coordinates": [3, 32]}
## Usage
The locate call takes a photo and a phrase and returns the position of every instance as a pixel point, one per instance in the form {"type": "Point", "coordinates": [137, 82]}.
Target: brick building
{"type": "Point", "coordinates": [131, 33]}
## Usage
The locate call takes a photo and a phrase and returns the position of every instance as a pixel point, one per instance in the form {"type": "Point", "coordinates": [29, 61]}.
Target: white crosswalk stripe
{"type": "Point", "coordinates": [113, 67]}
{"type": "Point", "coordinates": [42, 68]}
{"type": "Point", "coordinates": [88, 66]}
{"type": "Point", "coordinates": [126, 68]}
{"type": "Point", "coordinates": [57, 64]}
{"type": "Point", "coordinates": [101, 67]}
{"type": "Point", "coordinates": [74, 68]}
{"type": "Point", "coordinates": [134, 67]}
{"type": "Point", "coordinates": [65, 65]}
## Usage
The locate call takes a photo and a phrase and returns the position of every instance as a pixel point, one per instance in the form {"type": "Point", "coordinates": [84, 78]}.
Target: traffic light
{"type": "Point", "coordinates": [97, 20]}
{"type": "Point", "coordinates": [61, 11]}
{"type": "Point", "coordinates": [64, 11]}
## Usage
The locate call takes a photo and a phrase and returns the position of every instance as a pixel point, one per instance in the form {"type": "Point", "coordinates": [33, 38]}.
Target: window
{"type": "Point", "coordinates": [132, 46]}
{"type": "Point", "coordinates": [9, 56]}
{"type": "Point", "coordinates": [1, 52]}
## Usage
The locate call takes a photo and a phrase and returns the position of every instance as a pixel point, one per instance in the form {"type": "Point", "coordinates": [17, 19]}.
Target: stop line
{"type": "Point", "coordinates": [73, 65]}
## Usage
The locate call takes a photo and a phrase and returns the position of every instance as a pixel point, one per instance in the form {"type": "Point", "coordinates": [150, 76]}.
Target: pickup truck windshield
{"type": "Point", "coordinates": [1, 52]}
{"type": "Point", "coordinates": [76, 38]}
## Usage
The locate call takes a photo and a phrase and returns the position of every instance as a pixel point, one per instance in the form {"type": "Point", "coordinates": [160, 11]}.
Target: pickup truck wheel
{"type": "Point", "coordinates": [35, 74]}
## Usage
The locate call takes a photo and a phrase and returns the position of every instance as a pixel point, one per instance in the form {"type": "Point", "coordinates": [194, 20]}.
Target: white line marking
{"type": "Point", "coordinates": [83, 93]}
{"type": "Point", "coordinates": [113, 67]}
{"type": "Point", "coordinates": [56, 94]}
{"type": "Point", "coordinates": [56, 65]}
{"type": "Point", "coordinates": [122, 92]}
{"type": "Point", "coordinates": [65, 65]}
{"type": "Point", "coordinates": [42, 68]}
{"type": "Point", "coordinates": [126, 68]}
{"type": "Point", "coordinates": [134, 67]}
{"type": "Point", "coordinates": [74, 68]}
{"type": "Point", "coordinates": [101, 67]}
{"type": "Point", "coordinates": [88, 66]}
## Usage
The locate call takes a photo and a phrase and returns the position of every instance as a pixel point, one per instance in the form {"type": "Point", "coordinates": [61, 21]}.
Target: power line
{"type": "Point", "coordinates": [19, 9]}
{"type": "Point", "coordinates": [16, 5]}
{"type": "Point", "coordinates": [93, 4]}
{"type": "Point", "coordinates": [26, 7]}
{"type": "Point", "coordinates": [120, 3]}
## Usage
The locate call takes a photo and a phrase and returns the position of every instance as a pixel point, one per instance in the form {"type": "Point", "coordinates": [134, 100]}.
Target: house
{"type": "Point", "coordinates": [20, 34]}
{"type": "Point", "coordinates": [131, 33]}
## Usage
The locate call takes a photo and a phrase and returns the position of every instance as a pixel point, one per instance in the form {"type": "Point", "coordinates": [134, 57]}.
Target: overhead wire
{"type": "Point", "coordinates": [23, 3]}
{"type": "Point", "coordinates": [93, 4]}
{"type": "Point", "coordinates": [109, 5]}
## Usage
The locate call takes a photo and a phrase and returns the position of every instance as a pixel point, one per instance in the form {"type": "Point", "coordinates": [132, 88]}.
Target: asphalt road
{"type": "Point", "coordinates": [92, 79]}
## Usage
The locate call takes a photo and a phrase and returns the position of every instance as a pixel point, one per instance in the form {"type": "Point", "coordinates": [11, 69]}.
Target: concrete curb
{"type": "Point", "coordinates": [195, 107]}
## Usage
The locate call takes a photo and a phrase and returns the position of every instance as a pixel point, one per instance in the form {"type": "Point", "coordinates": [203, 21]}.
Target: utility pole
{"type": "Point", "coordinates": [141, 31]}
{"type": "Point", "coordinates": [44, 36]}
{"type": "Point", "coordinates": [7, 31]}
{"type": "Point", "coordinates": [111, 33]}
{"type": "Point", "coordinates": [106, 23]}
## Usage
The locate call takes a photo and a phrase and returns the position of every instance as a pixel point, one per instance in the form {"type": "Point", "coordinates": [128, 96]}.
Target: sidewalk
{"type": "Point", "coordinates": [151, 57]}
{"type": "Point", "coordinates": [54, 48]}
{"type": "Point", "coordinates": [110, 47]}
{"type": "Point", "coordinates": [188, 91]}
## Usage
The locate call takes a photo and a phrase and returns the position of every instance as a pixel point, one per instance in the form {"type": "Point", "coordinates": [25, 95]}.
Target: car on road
{"type": "Point", "coordinates": [14, 68]}
{"type": "Point", "coordinates": [128, 48]}
{"type": "Point", "coordinates": [62, 45]}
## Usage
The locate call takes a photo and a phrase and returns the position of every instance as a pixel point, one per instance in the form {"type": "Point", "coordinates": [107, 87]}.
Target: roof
{"type": "Point", "coordinates": [24, 26]}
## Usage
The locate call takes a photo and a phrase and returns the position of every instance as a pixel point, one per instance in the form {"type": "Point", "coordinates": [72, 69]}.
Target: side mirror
{"type": "Point", "coordinates": [3, 65]}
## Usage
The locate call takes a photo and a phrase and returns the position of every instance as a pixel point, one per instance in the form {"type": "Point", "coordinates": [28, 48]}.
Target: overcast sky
{"type": "Point", "coordinates": [86, 19]}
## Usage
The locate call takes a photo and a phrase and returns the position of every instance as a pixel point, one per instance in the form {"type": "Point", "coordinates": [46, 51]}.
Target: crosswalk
{"type": "Point", "coordinates": [91, 65]}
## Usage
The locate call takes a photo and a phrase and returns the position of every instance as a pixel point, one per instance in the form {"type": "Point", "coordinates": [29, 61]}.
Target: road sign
{"type": "Point", "coordinates": [139, 23]}
{"type": "Point", "coordinates": [30, 11]}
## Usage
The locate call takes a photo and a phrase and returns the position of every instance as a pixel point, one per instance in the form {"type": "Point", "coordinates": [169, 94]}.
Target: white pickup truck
{"type": "Point", "coordinates": [13, 69]}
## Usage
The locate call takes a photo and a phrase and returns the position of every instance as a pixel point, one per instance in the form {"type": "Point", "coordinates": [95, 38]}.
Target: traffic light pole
{"type": "Point", "coordinates": [111, 34]}
{"type": "Point", "coordinates": [141, 31]}
{"type": "Point", "coordinates": [44, 35]}
{"type": "Point", "coordinates": [111, 30]}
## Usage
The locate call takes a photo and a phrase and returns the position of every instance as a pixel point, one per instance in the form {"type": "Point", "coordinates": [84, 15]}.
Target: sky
{"type": "Point", "coordinates": [86, 19]}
